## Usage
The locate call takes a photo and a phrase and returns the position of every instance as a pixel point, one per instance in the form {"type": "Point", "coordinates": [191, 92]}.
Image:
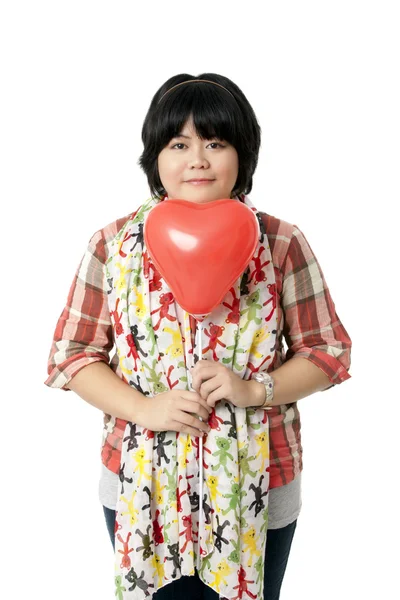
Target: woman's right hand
{"type": "Point", "coordinates": [175, 410]}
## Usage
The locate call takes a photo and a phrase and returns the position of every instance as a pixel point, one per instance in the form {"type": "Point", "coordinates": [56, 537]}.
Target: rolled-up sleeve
{"type": "Point", "coordinates": [83, 333]}
{"type": "Point", "coordinates": [312, 329]}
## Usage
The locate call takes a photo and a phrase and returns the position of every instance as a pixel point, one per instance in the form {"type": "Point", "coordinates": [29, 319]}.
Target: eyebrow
{"type": "Point", "coordinates": [188, 136]}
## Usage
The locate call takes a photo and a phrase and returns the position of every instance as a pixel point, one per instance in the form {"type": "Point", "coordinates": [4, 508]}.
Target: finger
{"type": "Point", "coordinates": [197, 383]}
{"type": "Point", "coordinates": [215, 397]}
{"type": "Point", "coordinates": [195, 407]}
{"type": "Point", "coordinates": [195, 397]}
{"type": "Point", "coordinates": [205, 371]}
{"type": "Point", "coordinates": [209, 386]}
{"type": "Point", "coordinates": [182, 428]}
{"type": "Point", "coordinates": [208, 370]}
{"type": "Point", "coordinates": [192, 421]}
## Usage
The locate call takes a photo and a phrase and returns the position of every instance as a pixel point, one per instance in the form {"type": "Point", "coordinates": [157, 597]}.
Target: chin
{"type": "Point", "coordinates": [199, 194]}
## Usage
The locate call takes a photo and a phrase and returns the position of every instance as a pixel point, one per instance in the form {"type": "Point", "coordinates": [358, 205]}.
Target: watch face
{"type": "Point", "coordinates": [262, 377]}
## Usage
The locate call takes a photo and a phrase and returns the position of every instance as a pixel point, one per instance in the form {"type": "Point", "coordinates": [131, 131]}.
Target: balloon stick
{"type": "Point", "coordinates": [200, 525]}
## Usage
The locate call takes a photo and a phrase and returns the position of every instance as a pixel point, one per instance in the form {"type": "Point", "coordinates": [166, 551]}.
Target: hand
{"type": "Point", "coordinates": [172, 411]}
{"type": "Point", "coordinates": [214, 382]}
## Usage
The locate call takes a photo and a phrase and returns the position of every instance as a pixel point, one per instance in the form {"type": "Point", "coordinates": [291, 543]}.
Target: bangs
{"type": "Point", "coordinates": [214, 114]}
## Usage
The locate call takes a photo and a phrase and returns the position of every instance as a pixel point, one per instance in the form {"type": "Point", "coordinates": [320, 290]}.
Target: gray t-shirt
{"type": "Point", "coordinates": [284, 503]}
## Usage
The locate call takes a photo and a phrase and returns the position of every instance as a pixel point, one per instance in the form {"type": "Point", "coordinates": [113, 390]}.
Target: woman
{"type": "Point", "coordinates": [199, 128]}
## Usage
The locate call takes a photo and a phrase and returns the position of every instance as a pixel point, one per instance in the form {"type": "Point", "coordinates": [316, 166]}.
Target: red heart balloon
{"type": "Point", "coordinates": [201, 249]}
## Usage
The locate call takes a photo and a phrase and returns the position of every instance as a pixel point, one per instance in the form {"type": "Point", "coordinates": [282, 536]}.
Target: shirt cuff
{"type": "Point", "coordinates": [331, 366]}
{"type": "Point", "coordinates": [61, 375]}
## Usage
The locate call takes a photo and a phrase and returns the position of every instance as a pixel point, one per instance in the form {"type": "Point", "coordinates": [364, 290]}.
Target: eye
{"type": "Point", "coordinates": [218, 144]}
{"type": "Point", "coordinates": [211, 143]}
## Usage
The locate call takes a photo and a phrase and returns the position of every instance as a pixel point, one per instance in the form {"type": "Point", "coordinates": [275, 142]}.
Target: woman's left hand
{"type": "Point", "coordinates": [214, 382]}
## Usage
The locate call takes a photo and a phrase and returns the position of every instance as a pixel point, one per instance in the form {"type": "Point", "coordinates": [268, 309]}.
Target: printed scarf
{"type": "Point", "coordinates": [158, 506]}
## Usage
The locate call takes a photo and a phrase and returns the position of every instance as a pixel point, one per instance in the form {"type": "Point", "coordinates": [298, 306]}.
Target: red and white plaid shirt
{"type": "Point", "coordinates": [306, 319]}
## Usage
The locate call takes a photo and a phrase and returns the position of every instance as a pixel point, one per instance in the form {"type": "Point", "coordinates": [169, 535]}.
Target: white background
{"type": "Point", "coordinates": [77, 79]}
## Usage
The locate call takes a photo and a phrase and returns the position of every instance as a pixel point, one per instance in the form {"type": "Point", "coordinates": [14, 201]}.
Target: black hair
{"type": "Point", "coordinates": [216, 114]}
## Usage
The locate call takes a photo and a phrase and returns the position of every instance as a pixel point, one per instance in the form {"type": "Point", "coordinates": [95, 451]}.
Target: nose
{"type": "Point", "coordinates": [197, 158]}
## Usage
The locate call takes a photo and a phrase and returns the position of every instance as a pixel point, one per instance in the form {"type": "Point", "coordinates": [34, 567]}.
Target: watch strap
{"type": "Point", "coordinates": [267, 380]}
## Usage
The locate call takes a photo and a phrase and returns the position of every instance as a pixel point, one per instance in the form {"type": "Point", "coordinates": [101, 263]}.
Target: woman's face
{"type": "Point", "coordinates": [188, 157]}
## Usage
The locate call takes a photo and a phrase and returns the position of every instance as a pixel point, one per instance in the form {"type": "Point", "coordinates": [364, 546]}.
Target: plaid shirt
{"type": "Point", "coordinates": [306, 319]}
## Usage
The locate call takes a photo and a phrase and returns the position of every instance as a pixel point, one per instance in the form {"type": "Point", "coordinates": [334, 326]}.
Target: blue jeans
{"type": "Point", "coordinates": [277, 551]}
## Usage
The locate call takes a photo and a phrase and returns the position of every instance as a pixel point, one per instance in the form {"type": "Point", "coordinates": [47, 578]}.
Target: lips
{"type": "Point", "coordinates": [198, 180]}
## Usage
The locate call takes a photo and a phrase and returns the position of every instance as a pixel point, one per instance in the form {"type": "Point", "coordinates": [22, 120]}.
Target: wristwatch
{"type": "Point", "coordinates": [267, 380]}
